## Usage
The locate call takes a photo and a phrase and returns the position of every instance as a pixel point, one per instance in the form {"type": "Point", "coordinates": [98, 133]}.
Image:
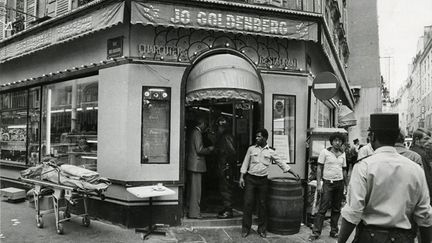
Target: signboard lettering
{"type": "Point", "coordinates": [184, 16]}
{"type": "Point", "coordinates": [170, 51]}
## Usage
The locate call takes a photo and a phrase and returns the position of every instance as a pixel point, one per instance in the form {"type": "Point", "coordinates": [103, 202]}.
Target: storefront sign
{"type": "Point", "coordinates": [115, 47]}
{"type": "Point", "coordinates": [192, 17]}
{"type": "Point", "coordinates": [279, 62]}
{"type": "Point", "coordinates": [160, 50]}
{"type": "Point", "coordinates": [97, 20]}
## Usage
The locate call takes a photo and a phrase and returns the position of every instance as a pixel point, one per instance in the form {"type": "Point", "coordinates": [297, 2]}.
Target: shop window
{"type": "Point", "coordinates": [13, 127]}
{"type": "Point", "coordinates": [69, 124]}
{"type": "Point", "coordinates": [284, 126]}
{"type": "Point", "coordinates": [156, 107]}
{"type": "Point", "coordinates": [324, 115]}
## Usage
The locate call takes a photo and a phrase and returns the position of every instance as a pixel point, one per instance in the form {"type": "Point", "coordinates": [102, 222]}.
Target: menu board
{"type": "Point", "coordinates": [155, 127]}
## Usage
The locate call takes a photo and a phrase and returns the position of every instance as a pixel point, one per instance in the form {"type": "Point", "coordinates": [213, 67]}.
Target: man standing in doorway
{"type": "Point", "coordinates": [253, 178]}
{"type": "Point", "coordinates": [331, 164]}
{"type": "Point", "coordinates": [225, 157]}
{"type": "Point", "coordinates": [196, 166]}
{"type": "Point", "coordinates": [387, 194]}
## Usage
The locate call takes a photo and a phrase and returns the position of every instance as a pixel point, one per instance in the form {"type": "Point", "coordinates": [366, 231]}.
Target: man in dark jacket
{"type": "Point", "coordinates": [421, 138]}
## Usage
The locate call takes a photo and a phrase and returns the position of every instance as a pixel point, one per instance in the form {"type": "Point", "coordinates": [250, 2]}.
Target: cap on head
{"type": "Point", "coordinates": [384, 122]}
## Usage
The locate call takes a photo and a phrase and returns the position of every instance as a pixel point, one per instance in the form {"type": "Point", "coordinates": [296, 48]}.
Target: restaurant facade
{"type": "Point", "coordinates": [115, 86]}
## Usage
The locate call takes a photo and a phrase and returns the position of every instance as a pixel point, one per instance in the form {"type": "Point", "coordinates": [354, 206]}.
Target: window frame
{"type": "Point", "coordinates": [285, 96]}
{"type": "Point", "coordinates": [168, 90]}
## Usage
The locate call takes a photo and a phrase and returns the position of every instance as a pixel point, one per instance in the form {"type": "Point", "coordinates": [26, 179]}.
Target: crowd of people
{"type": "Point", "coordinates": [388, 190]}
{"type": "Point", "coordinates": [387, 184]}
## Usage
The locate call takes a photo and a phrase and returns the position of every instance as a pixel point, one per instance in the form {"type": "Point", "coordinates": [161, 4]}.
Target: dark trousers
{"type": "Point", "coordinates": [374, 234]}
{"type": "Point", "coordinates": [331, 197]}
{"type": "Point", "coordinates": [255, 186]}
{"type": "Point", "coordinates": [225, 187]}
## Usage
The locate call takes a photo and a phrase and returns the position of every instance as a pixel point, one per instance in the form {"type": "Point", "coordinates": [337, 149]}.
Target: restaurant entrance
{"type": "Point", "coordinates": [243, 118]}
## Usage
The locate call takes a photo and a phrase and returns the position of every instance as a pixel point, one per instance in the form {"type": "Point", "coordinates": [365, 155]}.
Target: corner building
{"type": "Point", "coordinates": [114, 86]}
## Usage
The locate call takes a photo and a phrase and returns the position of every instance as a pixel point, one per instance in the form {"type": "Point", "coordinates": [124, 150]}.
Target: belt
{"type": "Point", "coordinates": [331, 181]}
{"type": "Point", "coordinates": [373, 233]}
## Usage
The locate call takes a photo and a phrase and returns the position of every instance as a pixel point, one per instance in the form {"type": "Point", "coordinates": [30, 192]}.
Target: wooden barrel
{"type": "Point", "coordinates": [284, 205]}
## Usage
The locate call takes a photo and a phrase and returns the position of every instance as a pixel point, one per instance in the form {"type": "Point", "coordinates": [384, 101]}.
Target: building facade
{"type": "Point", "coordinates": [115, 86]}
{"type": "Point", "coordinates": [417, 90]}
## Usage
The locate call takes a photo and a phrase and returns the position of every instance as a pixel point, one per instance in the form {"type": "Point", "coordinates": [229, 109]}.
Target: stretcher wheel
{"type": "Point", "coordinates": [60, 229]}
{"type": "Point", "coordinates": [86, 221]}
{"type": "Point", "coordinates": [39, 221]}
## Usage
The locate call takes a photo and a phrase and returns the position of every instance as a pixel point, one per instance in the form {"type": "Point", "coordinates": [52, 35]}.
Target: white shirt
{"type": "Point", "coordinates": [332, 165]}
{"type": "Point", "coordinates": [258, 159]}
{"type": "Point", "coordinates": [365, 151]}
{"type": "Point", "coordinates": [387, 190]}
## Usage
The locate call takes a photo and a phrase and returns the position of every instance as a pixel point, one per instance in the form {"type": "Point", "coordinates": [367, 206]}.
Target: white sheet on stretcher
{"type": "Point", "coordinates": [68, 175]}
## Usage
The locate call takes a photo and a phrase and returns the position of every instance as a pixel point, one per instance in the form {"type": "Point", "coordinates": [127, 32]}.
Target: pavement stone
{"type": "Point", "coordinates": [18, 225]}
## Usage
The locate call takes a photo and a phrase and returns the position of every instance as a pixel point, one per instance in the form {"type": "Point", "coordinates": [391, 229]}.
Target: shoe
{"type": "Point", "coordinates": [195, 217]}
{"type": "Point", "coordinates": [245, 233]}
{"type": "Point", "coordinates": [334, 235]}
{"type": "Point", "coordinates": [313, 237]}
{"type": "Point", "coordinates": [225, 215]}
{"type": "Point", "coordinates": [262, 234]}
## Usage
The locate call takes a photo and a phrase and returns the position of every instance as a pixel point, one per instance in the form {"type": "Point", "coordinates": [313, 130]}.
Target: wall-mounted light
{"type": "Point", "coordinates": [227, 44]}
{"type": "Point", "coordinates": [162, 58]}
{"type": "Point", "coordinates": [143, 57]}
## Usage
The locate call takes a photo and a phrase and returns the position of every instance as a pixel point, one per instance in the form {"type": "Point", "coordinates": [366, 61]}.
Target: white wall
{"type": "Point", "coordinates": [288, 85]}
{"type": "Point", "coordinates": [119, 139]}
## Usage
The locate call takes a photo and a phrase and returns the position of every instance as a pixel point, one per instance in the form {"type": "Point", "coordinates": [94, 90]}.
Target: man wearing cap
{"type": "Point", "coordinates": [387, 194]}
{"type": "Point", "coordinates": [225, 157]}
{"type": "Point", "coordinates": [331, 168]}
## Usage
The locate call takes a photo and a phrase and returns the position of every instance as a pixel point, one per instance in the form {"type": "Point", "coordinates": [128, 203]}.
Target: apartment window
{"type": "Point", "coordinates": [156, 107]}
{"type": "Point", "coordinates": [69, 122]}
{"type": "Point", "coordinates": [284, 126]}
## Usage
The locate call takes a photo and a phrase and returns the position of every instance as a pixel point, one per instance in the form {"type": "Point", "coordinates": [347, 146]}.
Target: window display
{"type": "Point", "coordinates": [13, 127]}
{"type": "Point", "coordinates": [155, 125]}
{"type": "Point", "coordinates": [284, 126]}
{"type": "Point", "coordinates": [69, 124]}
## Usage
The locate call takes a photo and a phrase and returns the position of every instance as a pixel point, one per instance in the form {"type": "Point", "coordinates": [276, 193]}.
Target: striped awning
{"type": "Point", "coordinates": [223, 76]}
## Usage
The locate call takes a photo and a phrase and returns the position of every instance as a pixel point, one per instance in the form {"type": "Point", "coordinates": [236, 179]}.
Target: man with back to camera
{"type": "Point", "coordinates": [253, 178]}
{"type": "Point", "coordinates": [387, 195]}
{"type": "Point", "coordinates": [331, 164]}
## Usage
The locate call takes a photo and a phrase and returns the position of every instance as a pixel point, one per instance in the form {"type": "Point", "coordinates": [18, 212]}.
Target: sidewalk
{"type": "Point", "coordinates": [18, 224]}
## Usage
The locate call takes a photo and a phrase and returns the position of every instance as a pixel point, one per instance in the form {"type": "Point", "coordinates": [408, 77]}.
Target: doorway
{"type": "Point", "coordinates": [243, 117]}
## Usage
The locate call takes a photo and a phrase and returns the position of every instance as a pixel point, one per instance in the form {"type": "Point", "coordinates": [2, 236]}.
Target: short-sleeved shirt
{"type": "Point", "coordinates": [258, 159]}
{"type": "Point", "coordinates": [332, 165]}
{"type": "Point", "coordinates": [387, 190]}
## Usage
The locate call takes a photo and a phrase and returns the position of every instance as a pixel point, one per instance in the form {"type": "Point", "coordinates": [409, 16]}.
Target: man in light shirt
{"type": "Point", "coordinates": [253, 178]}
{"type": "Point", "coordinates": [387, 194]}
{"type": "Point", "coordinates": [366, 150]}
{"type": "Point", "coordinates": [331, 168]}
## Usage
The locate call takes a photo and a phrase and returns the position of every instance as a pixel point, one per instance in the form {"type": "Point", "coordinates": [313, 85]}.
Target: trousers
{"type": "Point", "coordinates": [255, 186]}
{"type": "Point", "coordinates": [375, 234]}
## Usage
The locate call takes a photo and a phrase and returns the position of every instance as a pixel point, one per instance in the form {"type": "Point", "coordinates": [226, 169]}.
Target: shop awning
{"type": "Point", "coordinates": [100, 19]}
{"type": "Point", "coordinates": [223, 76]}
{"type": "Point", "coordinates": [346, 117]}
{"type": "Point", "coordinates": [187, 16]}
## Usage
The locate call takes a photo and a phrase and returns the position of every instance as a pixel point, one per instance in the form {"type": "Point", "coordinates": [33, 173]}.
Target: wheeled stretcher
{"type": "Point", "coordinates": [59, 193]}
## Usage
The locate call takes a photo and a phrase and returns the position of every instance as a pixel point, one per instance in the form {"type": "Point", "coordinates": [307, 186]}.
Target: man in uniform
{"type": "Point", "coordinates": [331, 164]}
{"type": "Point", "coordinates": [225, 157]}
{"type": "Point", "coordinates": [253, 178]}
{"type": "Point", "coordinates": [387, 195]}
{"type": "Point", "coordinates": [196, 166]}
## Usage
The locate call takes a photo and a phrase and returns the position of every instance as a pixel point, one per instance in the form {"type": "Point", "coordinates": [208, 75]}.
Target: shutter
{"type": "Point", "coordinates": [2, 19]}
{"type": "Point", "coordinates": [31, 9]}
{"type": "Point", "coordinates": [62, 7]}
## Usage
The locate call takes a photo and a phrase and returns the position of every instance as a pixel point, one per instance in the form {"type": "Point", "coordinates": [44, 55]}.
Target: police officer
{"type": "Point", "coordinates": [387, 194]}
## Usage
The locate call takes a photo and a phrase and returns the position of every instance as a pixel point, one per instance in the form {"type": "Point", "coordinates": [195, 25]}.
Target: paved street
{"type": "Point", "coordinates": [18, 224]}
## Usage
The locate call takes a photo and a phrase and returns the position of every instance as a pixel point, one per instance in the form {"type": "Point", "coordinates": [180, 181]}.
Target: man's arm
{"type": "Point", "coordinates": [244, 168]}
{"type": "Point", "coordinates": [345, 231]}
{"type": "Point", "coordinates": [319, 176]}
